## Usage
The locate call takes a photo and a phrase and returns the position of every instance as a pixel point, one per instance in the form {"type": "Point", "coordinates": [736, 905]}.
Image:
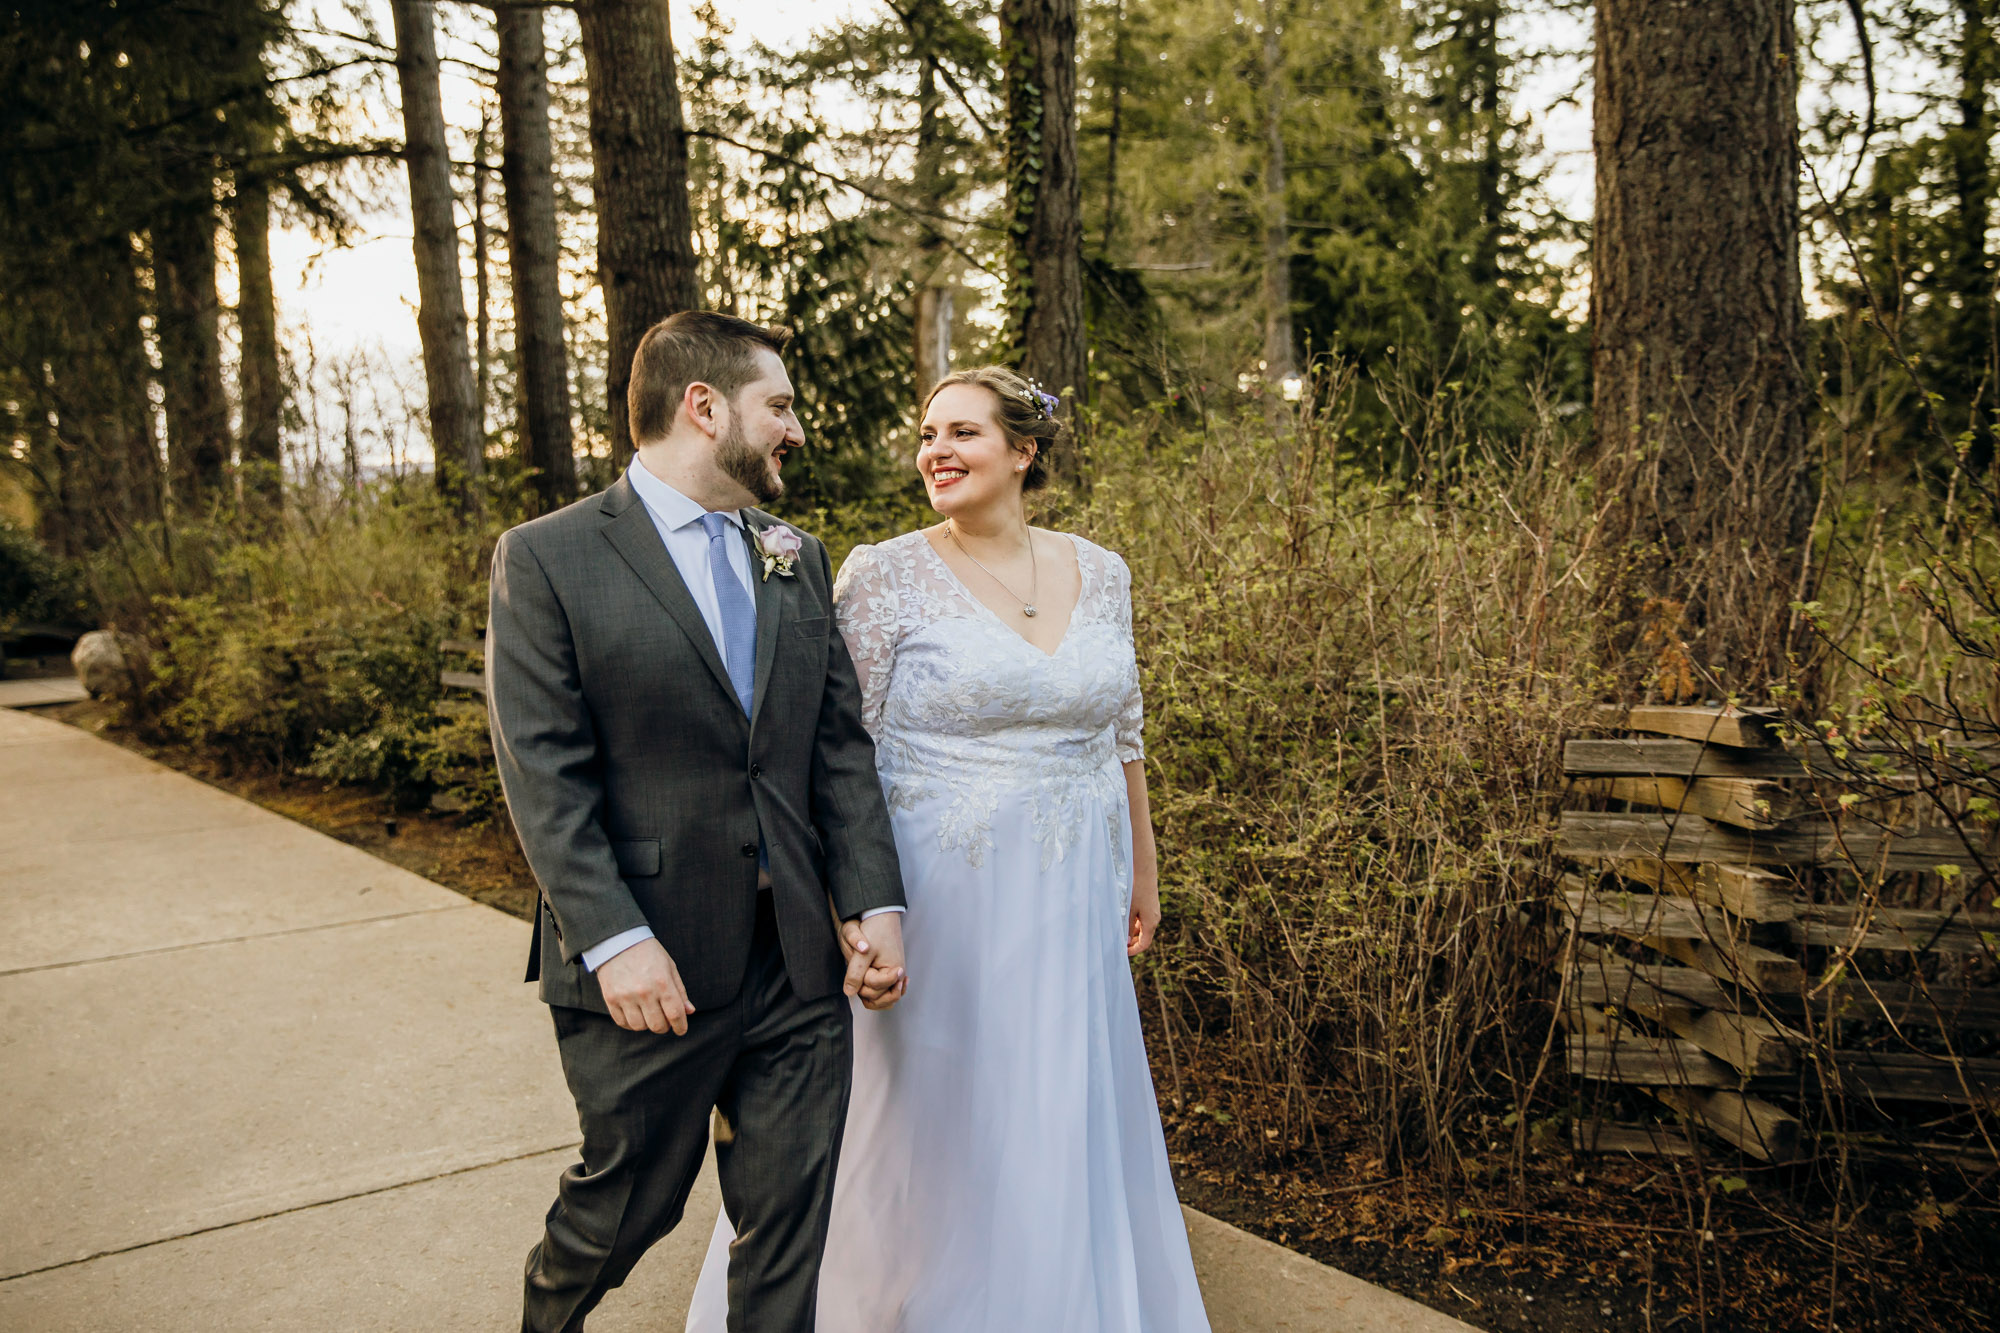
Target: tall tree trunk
{"type": "Point", "coordinates": [1479, 49]}
{"type": "Point", "coordinates": [482, 278]}
{"type": "Point", "coordinates": [1697, 341]}
{"type": "Point", "coordinates": [1044, 199]}
{"type": "Point", "coordinates": [87, 416]}
{"type": "Point", "coordinates": [934, 298]}
{"type": "Point", "coordinates": [1280, 361]}
{"type": "Point", "coordinates": [1972, 363]}
{"type": "Point", "coordinates": [197, 405]}
{"type": "Point", "coordinates": [1116, 130]}
{"type": "Point", "coordinates": [456, 444]}
{"type": "Point", "coordinates": [645, 231]}
{"type": "Point", "coordinates": [261, 378]}
{"type": "Point", "coordinates": [527, 175]}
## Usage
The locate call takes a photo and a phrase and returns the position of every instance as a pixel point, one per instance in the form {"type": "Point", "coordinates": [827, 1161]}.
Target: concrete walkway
{"type": "Point", "coordinates": [257, 1079]}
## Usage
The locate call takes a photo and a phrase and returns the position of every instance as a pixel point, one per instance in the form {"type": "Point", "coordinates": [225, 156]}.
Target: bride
{"type": "Point", "coordinates": [1003, 1168]}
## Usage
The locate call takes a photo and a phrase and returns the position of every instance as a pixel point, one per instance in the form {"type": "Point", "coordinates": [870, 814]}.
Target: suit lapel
{"type": "Point", "coordinates": [770, 594]}
{"type": "Point", "coordinates": [632, 534]}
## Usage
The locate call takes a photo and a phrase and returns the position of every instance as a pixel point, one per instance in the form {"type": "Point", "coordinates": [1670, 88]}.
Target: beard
{"type": "Point", "coordinates": [747, 467]}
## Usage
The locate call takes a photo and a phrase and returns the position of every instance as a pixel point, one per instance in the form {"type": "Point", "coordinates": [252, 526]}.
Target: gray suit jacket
{"type": "Point", "coordinates": [635, 783]}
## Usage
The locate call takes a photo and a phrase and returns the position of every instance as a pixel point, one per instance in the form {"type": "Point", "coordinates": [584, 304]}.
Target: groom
{"type": "Point", "coordinates": [678, 731]}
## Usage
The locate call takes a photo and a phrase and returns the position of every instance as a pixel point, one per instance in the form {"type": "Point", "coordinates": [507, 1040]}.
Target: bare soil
{"type": "Point", "coordinates": [1581, 1243]}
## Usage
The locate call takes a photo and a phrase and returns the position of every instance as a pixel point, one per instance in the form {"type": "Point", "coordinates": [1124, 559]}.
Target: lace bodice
{"type": "Point", "coordinates": [962, 707]}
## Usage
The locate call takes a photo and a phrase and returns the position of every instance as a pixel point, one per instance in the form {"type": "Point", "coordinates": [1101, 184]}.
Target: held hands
{"type": "Point", "coordinates": [642, 989]}
{"type": "Point", "coordinates": [874, 951]}
{"type": "Point", "coordinates": [1145, 917]}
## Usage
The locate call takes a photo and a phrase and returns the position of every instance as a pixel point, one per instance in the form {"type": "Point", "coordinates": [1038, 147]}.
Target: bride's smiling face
{"type": "Point", "coordinates": [963, 456]}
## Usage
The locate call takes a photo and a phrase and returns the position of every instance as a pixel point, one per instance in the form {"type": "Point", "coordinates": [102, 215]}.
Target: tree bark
{"type": "Point", "coordinates": [482, 279]}
{"type": "Point", "coordinates": [260, 376]}
{"type": "Point", "coordinates": [645, 232]}
{"type": "Point", "coordinates": [1969, 373]}
{"type": "Point", "coordinates": [87, 417]}
{"type": "Point", "coordinates": [456, 445]}
{"type": "Point", "coordinates": [1280, 361]}
{"type": "Point", "coordinates": [1696, 322]}
{"type": "Point", "coordinates": [527, 176]}
{"type": "Point", "coordinates": [1044, 200]}
{"type": "Point", "coordinates": [1115, 132]}
{"type": "Point", "coordinates": [935, 311]}
{"type": "Point", "coordinates": [197, 405]}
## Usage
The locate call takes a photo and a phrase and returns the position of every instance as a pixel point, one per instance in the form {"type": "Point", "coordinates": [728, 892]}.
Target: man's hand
{"type": "Point", "coordinates": [643, 990]}
{"type": "Point", "coordinates": [874, 950]}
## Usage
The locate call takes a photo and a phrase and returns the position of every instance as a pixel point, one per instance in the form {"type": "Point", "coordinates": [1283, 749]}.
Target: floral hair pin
{"type": "Point", "coordinates": [1042, 401]}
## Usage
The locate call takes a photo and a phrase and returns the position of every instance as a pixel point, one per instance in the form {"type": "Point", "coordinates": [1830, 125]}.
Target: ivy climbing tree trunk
{"type": "Point", "coordinates": [527, 178]}
{"type": "Point", "coordinates": [1696, 324]}
{"type": "Point", "coordinates": [1044, 199]}
{"type": "Point", "coordinates": [638, 149]}
{"type": "Point", "coordinates": [459, 449]}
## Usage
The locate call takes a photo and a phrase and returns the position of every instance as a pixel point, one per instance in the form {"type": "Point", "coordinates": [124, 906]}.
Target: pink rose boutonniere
{"type": "Point", "coordinates": [779, 546]}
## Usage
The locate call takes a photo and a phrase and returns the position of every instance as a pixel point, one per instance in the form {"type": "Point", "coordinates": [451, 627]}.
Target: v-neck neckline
{"type": "Point", "coordinates": [1076, 551]}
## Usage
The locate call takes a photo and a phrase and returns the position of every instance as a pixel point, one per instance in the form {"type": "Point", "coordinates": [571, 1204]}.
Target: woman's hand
{"type": "Point", "coordinates": [1145, 917]}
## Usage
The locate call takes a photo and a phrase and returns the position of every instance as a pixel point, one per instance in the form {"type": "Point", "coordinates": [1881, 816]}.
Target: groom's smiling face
{"type": "Point", "coordinates": [759, 429]}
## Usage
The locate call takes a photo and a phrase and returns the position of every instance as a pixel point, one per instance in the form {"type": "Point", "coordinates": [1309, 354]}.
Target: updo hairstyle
{"type": "Point", "coordinates": [1022, 416]}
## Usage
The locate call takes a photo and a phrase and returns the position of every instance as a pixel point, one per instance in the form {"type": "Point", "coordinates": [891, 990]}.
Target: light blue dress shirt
{"type": "Point", "coordinates": [678, 520]}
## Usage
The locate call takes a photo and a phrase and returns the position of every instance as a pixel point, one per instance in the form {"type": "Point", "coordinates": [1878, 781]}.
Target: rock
{"type": "Point", "coordinates": [102, 662]}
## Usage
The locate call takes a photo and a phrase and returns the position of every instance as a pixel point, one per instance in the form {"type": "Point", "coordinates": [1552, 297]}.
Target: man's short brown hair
{"type": "Point", "coordinates": [695, 346]}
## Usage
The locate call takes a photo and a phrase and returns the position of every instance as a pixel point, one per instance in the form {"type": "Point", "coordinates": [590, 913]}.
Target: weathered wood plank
{"type": "Point", "coordinates": [1748, 965]}
{"type": "Point", "coordinates": [1691, 838]}
{"type": "Point", "coordinates": [1665, 1063]}
{"type": "Point", "coordinates": [1638, 756]}
{"type": "Point", "coordinates": [1702, 937]}
{"type": "Point", "coordinates": [463, 680]}
{"type": "Point", "coordinates": [1754, 1045]}
{"type": "Point", "coordinates": [1604, 979]}
{"type": "Point", "coordinates": [1745, 728]}
{"type": "Point", "coordinates": [1640, 1140]}
{"type": "Point", "coordinates": [1628, 756]}
{"type": "Point", "coordinates": [1750, 1123]}
{"type": "Point", "coordinates": [474, 646]}
{"type": "Point", "coordinates": [1753, 894]}
{"type": "Point", "coordinates": [1914, 1076]}
{"type": "Point", "coordinates": [1900, 1002]}
{"type": "Point", "coordinates": [1751, 803]}
{"type": "Point", "coordinates": [1897, 930]}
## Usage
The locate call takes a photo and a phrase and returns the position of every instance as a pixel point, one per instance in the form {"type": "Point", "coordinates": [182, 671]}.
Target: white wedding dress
{"type": "Point", "coordinates": [1003, 1169]}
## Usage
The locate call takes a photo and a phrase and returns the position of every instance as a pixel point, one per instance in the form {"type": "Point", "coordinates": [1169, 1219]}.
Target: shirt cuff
{"type": "Point", "coordinates": [877, 911]}
{"type": "Point", "coordinates": [597, 955]}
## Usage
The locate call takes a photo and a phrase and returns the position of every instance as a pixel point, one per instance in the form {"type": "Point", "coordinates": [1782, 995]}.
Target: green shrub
{"type": "Point", "coordinates": [36, 586]}
{"type": "Point", "coordinates": [315, 647]}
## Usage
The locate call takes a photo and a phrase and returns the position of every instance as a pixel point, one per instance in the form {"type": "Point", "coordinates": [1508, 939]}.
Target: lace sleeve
{"type": "Point", "coordinates": [865, 607]}
{"type": "Point", "coordinates": [1126, 732]}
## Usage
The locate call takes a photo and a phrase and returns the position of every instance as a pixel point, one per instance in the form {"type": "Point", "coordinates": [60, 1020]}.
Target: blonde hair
{"type": "Point", "coordinates": [1022, 415]}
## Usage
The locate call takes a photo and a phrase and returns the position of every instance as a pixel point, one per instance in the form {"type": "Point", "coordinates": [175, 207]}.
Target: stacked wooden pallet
{"type": "Point", "coordinates": [1692, 950]}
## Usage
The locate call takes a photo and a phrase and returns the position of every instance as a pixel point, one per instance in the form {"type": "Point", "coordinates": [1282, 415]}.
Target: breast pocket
{"type": "Point", "coordinates": [810, 627]}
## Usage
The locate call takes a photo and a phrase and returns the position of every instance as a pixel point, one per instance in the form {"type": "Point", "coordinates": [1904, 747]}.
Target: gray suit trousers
{"type": "Point", "coordinates": [777, 1069]}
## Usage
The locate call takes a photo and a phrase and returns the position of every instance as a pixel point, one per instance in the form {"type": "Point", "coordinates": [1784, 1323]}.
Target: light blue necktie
{"type": "Point", "coordinates": [739, 614]}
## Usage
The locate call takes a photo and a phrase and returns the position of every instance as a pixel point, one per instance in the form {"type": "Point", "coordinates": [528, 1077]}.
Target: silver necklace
{"type": "Point", "coordinates": [1034, 570]}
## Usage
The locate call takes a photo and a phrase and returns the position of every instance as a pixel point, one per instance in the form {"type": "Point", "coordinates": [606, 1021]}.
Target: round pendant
{"type": "Point", "coordinates": [1028, 610]}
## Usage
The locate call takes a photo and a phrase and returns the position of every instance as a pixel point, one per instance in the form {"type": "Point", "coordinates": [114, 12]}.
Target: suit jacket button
{"type": "Point", "coordinates": [756, 772]}
{"type": "Point", "coordinates": [749, 849]}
